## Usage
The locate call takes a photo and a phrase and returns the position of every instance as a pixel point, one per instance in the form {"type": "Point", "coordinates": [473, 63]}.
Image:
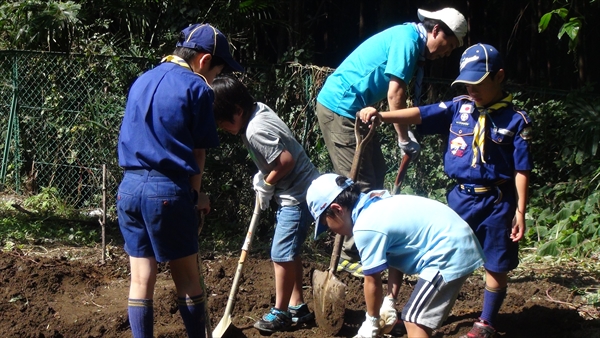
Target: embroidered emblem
{"type": "Point", "coordinates": [464, 117]}
{"type": "Point", "coordinates": [527, 134]}
{"type": "Point", "coordinates": [466, 109]}
{"type": "Point", "coordinates": [458, 146]}
{"type": "Point", "coordinates": [468, 60]}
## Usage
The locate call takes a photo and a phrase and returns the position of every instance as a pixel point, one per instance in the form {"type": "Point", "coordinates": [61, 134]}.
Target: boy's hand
{"type": "Point", "coordinates": [369, 328]}
{"type": "Point", "coordinates": [410, 147]}
{"type": "Point", "coordinates": [264, 191]}
{"type": "Point", "coordinates": [368, 114]}
{"type": "Point", "coordinates": [203, 205]}
{"type": "Point", "coordinates": [388, 314]}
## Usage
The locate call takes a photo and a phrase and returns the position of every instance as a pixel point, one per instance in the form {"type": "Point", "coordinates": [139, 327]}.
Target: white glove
{"type": "Point", "coordinates": [411, 147]}
{"type": "Point", "coordinates": [264, 191]}
{"type": "Point", "coordinates": [369, 328]}
{"type": "Point", "coordinates": [388, 314]}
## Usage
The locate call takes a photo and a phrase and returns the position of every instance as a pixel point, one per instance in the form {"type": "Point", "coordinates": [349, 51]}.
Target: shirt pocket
{"type": "Point", "coordinates": [501, 136]}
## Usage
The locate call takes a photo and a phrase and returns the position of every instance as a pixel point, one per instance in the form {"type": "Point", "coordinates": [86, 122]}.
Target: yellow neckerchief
{"type": "Point", "coordinates": [177, 60]}
{"type": "Point", "coordinates": [479, 131]}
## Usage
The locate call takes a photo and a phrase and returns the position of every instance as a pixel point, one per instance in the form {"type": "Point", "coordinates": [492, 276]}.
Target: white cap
{"type": "Point", "coordinates": [451, 17]}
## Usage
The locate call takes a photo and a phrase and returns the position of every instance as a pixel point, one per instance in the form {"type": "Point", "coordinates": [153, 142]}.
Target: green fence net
{"type": "Point", "coordinates": [59, 118]}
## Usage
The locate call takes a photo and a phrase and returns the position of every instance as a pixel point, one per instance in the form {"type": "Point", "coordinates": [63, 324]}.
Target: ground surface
{"type": "Point", "coordinates": [66, 292]}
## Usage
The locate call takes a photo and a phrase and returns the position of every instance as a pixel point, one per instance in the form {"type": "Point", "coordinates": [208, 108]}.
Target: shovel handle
{"type": "Point", "coordinates": [245, 249]}
{"type": "Point", "coordinates": [401, 173]}
{"type": "Point", "coordinates": [360, 144]}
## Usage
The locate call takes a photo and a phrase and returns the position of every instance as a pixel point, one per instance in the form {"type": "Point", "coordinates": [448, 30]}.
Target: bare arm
{"type": "Point", "coordinates": [196, 181]}
{"type": "Point", "coordinates": [373, 294]}
{"type": "Point", "coordinates": [521, 184]}
{"type": "Point", "coordinates": [283, 165]}
{"type": "Point", "coordinates": [403, 116]}
{"type": "Point", "coordinates": [396, 97]}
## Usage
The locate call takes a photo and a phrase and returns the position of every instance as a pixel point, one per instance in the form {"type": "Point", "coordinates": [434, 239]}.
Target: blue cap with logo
{"type": "Point", "coordinates": [477, 62]}
{"type": "Point", "coordinates": [209, 39]}
{"type": "Point", "coordinates": [321, 193]}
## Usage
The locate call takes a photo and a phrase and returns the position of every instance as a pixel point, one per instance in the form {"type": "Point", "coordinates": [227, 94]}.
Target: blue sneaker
{"type": "Point", "coordinates": [301, 313]}
{"type": "Point", "coordinates": [274, 321]}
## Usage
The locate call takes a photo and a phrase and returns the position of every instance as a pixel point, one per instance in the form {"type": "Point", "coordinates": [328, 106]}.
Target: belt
{"type": "Point", "coordinates": [475, 189]}
{"type": "Point", "coordinates": [155, 173]}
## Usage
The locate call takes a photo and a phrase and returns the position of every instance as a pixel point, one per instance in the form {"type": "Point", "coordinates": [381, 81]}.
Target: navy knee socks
{"type": "Point", "coordinates": [141, 317]}
{"type": "Point", "coordinates": [192, 313]}
{"type": "Point", "coordinates": [492, 301]}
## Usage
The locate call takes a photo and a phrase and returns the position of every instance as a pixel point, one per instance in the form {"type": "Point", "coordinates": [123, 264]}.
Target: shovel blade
{"type": "Point", "coordinates": [329, 295]}
{"type": "Point", "coordinates": [223, 325]}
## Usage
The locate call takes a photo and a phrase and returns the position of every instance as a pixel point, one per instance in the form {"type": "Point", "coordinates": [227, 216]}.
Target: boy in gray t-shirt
{"type": "Point", "coordinates": [285, 172]}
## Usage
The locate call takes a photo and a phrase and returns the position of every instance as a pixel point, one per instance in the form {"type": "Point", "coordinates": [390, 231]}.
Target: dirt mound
{"type": "Point", "coordinates": [62, 294]}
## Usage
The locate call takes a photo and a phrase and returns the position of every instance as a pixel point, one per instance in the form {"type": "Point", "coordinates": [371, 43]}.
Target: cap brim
{"type": "Point", "coordinates": [319, 227]}
{"type": "Point", "coordinates": [470, 77]}
{"type": "Point", "coordinates": [233, 65]}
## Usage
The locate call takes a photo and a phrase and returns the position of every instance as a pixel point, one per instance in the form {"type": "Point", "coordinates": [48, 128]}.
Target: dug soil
{"type": "Point", "coordinates": [68, 292]}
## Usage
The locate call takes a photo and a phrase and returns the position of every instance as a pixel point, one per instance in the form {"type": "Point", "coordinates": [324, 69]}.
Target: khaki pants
{"type": "Point", "coordinates": [338, 133]}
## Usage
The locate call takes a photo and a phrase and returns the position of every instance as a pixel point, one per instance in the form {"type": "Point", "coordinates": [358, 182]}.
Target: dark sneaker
{"type": "Point", "coordinates": [480, 330]}
{"type": "Point", "coordinates": [274, 321]}
{"type": "Point", "coordinates": [354, 268]}
{"type": "Point", "coordinates": [301, 313]}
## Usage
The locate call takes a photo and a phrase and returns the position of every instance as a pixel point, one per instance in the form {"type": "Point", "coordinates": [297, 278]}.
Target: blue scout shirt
{"type": "Point", "coordinates": [428, 237]}
{"type": "Point", "coordinates": [363, 77]}
{"type": "Point", "coordinates": [168, 115]}
{"type": "Point", "coordinates": [506, 145]}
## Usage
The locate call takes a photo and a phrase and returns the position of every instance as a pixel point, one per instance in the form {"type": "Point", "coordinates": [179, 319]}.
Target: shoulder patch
{"type": "Point", "coordinates": [527, 134]}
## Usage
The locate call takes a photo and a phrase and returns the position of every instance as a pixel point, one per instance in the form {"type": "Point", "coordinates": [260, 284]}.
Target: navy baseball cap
{"type": "Point", "coordinates": [321, 193]}
{"type": "Point", "coordinates": [209, 39]}
{"type": "Point", "coordinates": [477, 62]}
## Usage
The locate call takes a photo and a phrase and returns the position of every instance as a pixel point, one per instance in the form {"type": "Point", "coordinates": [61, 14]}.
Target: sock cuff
{"type": "Point", "coordinates": [496, 290]}
{"type": "Point", "coordinates": [139, 302]}
{"type": "Point", "coordinates": [190, 301]}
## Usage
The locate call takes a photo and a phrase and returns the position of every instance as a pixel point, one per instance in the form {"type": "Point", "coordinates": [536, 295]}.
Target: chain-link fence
{"type": "Point", "coordinates": [59, 118]}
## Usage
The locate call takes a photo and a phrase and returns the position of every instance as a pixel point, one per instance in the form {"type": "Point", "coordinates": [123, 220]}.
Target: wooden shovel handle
{"type": "Point", "coordinates": [360, 144]}
{"type": "Point", "coordinates": [401, 173]}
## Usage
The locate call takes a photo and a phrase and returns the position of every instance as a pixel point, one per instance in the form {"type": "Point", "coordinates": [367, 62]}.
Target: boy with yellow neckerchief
{"type": "Point", "coordinates": [488, 154]}
{"type": "Point", "coordinates": [167, 127]}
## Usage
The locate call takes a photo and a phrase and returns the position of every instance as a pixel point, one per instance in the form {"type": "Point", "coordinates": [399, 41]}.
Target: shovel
{"type": "Point", "coordinates": [207, 330]}
{"type": "Point", "coordinates": [329, 292]}
{"type": "Point", "coordinates": [401, 173]}
{"type": "Point", "coordinates": [224, 323]}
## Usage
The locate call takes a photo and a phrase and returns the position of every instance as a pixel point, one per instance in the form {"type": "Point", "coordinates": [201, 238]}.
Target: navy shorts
{"type": "Point", "coordinates": [157, 216]}
{"type": "Point", "coordinates": [490, 215]}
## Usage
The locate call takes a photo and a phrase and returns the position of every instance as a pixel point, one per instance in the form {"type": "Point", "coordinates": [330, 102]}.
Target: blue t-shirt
{"type": "Point", "coordinates": [506, 146]}
{"type": "Point", "coordinates": [415, 235]}
{"type": "Point", "coordinates": [363, 77]}
{"type": "Point", "coordinates": [168, 114]}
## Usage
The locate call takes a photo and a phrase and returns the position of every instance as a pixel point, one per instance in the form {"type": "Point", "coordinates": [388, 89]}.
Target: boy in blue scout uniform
{"type": "Point", "coordinates": [381, 68]}
{"type": "Point", "coordinates": [488, 155]}
{"type": "Point", "coordinates": [284, 174]}
{"type": "Point", "coordinates": [167, 126]}
{"type": "Point", "coordinates": [429, 239]}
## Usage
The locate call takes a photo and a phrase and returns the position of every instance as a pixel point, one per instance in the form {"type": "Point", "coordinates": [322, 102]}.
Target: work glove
{"type": "Point", "coordinates": [264, 191]}
{"type": "Point", "coordinates": [388, 314]}
{"type": "Point", "coordinates": [369, 328]}
{"type": "Point", "coordinates": [411, 147]}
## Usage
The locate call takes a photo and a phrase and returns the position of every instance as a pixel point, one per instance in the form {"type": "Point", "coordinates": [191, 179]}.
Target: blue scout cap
{"type": "Point", "coordinates": [321, 193]}
{"type": "Point", "coordinates": [477, 62]}
{"type": "Point", "coordinates": [207, 38]}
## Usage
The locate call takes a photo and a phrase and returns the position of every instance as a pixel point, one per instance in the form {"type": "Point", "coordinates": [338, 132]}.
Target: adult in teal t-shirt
{"type": "Point", "coordinates": [381, 67]}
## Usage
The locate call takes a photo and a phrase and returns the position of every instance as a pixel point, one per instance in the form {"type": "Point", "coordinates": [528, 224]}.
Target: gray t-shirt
{"type": "Point", "coordinates": [266, 137]}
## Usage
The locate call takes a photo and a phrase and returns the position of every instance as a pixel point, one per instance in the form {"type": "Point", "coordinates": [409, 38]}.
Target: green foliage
{"type": "Point", "coordinates": [571, 26]}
